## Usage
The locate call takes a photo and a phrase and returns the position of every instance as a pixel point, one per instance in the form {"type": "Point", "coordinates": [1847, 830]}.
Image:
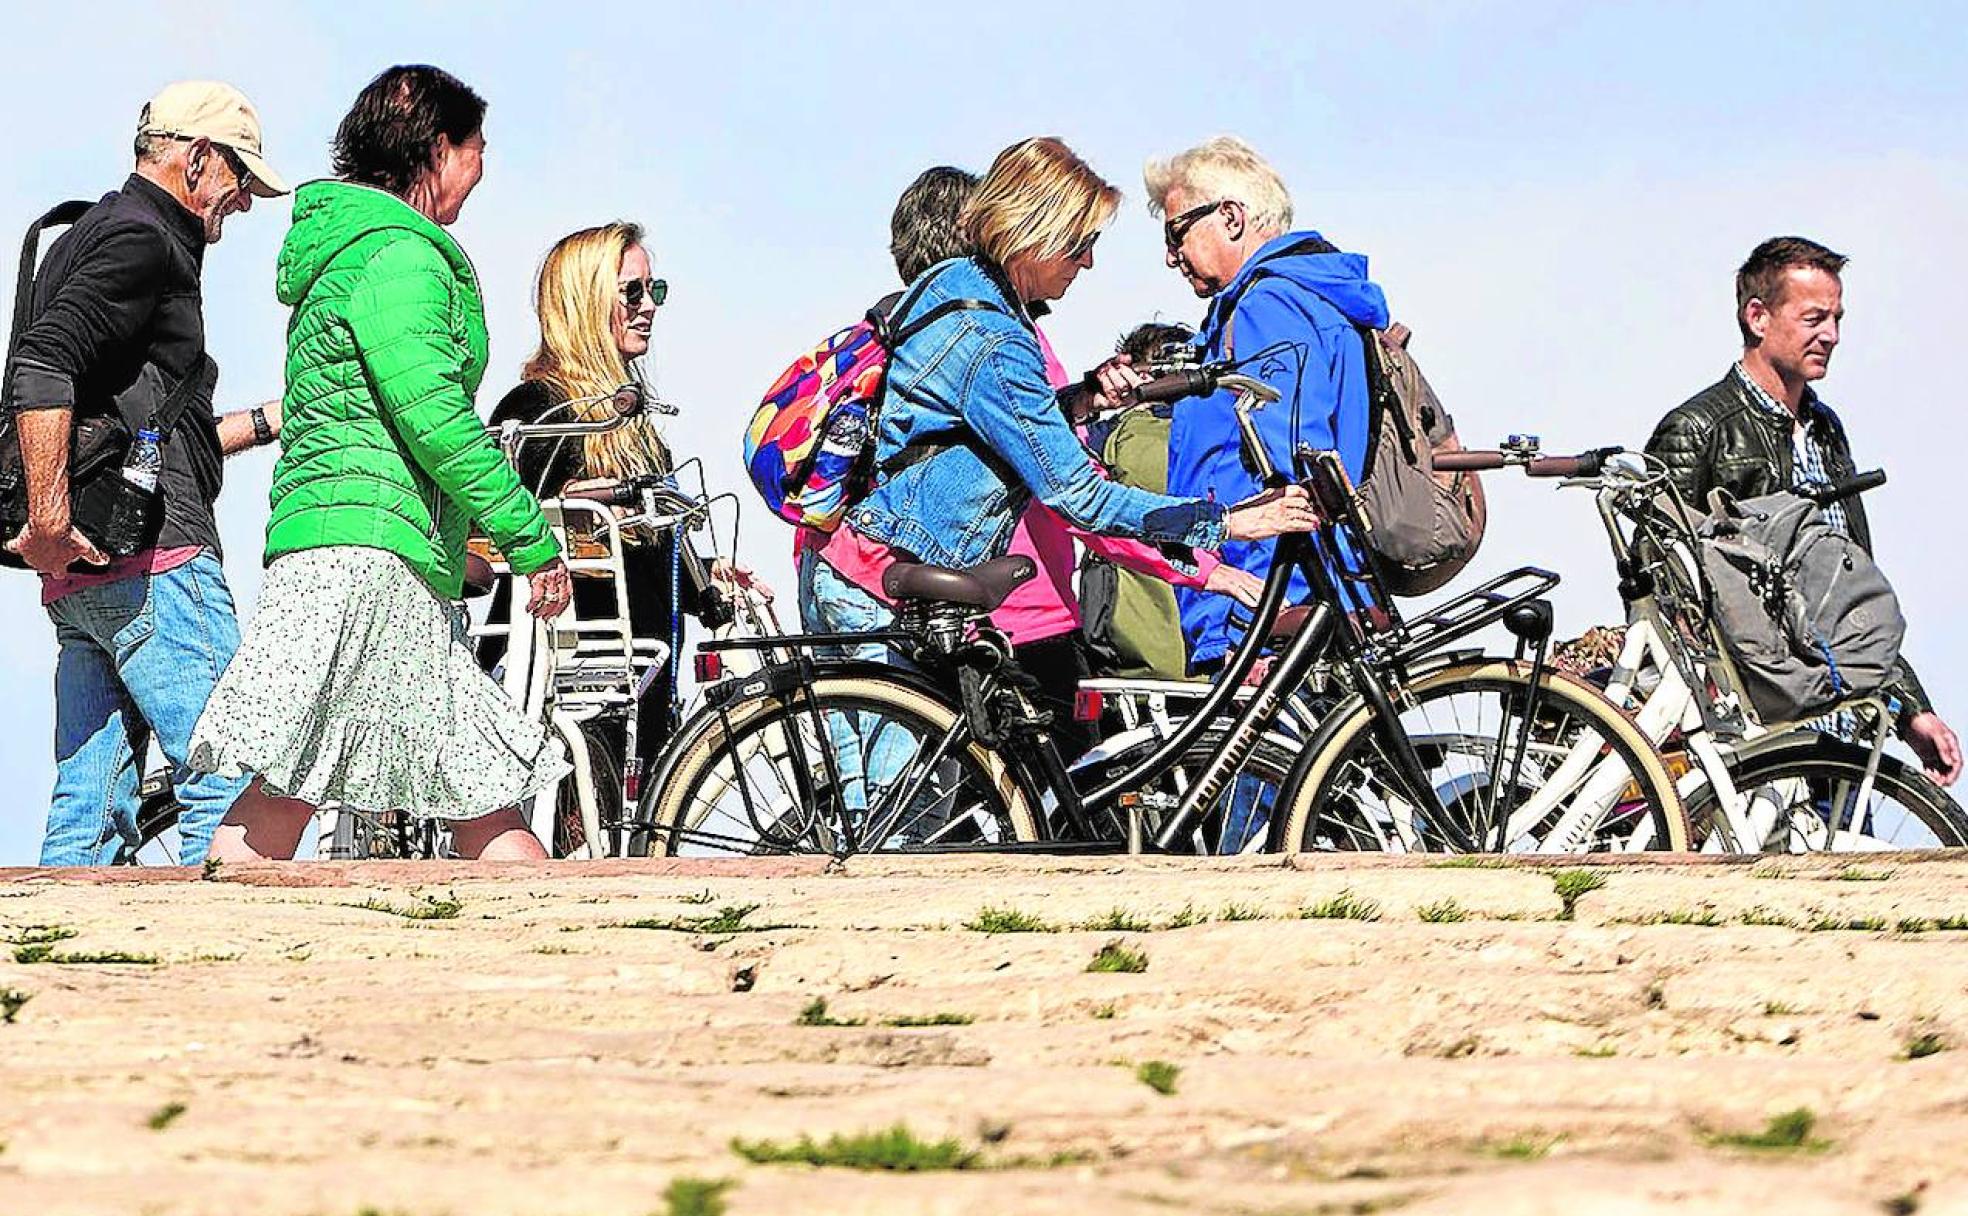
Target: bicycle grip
{"type": "Point", "coordinates": [1467, 461]}
{"type": "Point", "coordinates": [1190, 382]}
{"type": "Point", "coordinates": [1851, 487]}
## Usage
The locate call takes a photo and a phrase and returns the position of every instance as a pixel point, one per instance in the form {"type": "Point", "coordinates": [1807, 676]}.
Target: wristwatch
{"type": "Point", "coordinates": [262, 432]}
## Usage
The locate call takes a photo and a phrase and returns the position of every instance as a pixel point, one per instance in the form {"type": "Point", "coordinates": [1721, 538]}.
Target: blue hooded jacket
{"type": "Point", "coordinates": [1312, 302]}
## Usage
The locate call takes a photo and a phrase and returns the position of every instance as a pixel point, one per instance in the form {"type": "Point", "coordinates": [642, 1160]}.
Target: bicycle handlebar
{"type": "Point", "coordinates": [1201, 381]}
{"type": "Point", "coordinates": [1585, 464]}
{"type": "Point", "coordinates": [1839, 491]}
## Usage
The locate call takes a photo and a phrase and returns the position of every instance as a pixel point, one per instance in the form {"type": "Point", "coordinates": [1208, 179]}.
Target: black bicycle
{"type": "Point", "coordinates": [1419, 748]}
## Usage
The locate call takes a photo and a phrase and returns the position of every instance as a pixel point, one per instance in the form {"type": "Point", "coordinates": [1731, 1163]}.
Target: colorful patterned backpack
{"type": "Point", "coordinates": [810, 449]}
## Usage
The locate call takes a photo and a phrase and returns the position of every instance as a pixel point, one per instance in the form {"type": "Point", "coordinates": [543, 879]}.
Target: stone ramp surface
{"type": "Point", "coordinates": [330, 1039]}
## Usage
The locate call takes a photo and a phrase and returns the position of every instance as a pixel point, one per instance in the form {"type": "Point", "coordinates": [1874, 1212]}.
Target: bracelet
{"type": "Point", "coordinates": [262, 432]}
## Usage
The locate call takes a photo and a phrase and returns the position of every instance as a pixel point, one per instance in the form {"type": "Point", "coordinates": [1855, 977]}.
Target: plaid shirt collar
{"type": "Point", "coordinates": [1810, 444]}
{"type": "Point", "coordinates": [1810, 411]}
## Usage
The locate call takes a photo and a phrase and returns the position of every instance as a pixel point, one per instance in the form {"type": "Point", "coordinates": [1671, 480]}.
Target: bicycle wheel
{"type": "Point", "coordinates": [1800, 785]}
{"type": "Point", "coordinates": [1588, 779]}
{"type": "Point", "coordinates": [865, 765]}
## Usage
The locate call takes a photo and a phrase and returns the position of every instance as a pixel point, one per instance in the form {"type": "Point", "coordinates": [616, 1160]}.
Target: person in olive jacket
{"type": "Point", "coordinates": [1762, 428]}
{"type": "Point", "coordinates": [356, 684]}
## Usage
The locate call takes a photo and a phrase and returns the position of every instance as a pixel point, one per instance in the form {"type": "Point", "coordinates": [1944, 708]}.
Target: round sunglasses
{"type": "Point", "coordinates": [633, 291]}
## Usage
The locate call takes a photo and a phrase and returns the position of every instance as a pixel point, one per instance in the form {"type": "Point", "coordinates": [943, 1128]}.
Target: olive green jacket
{"type": "Point", "coordinates": [381, 443]}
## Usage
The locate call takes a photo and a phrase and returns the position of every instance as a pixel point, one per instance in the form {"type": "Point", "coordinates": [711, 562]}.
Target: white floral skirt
{"type": "Point", "coordinates": [356, 686]}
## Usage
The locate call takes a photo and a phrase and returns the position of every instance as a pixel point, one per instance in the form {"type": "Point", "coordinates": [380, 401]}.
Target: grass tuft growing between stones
{"type": "Point", "coordinates": [1117, 920]}
{"type": "Point", "coordinates": [1158, 1075]}
{"type": "Point", "coordinates": [1343, 906]}
{"type": "Point", "coordinates": [1006, 920]}
{"type": "Point", "coordinates": [426, 907]}
{"type": "Point", "coordinates": [11, 1001]}
{"type": "Point", "coordinates": [731, 918]}
{"type": "Point", "coordinates": [815, 1014]}
{"type": "Point", "coordinates": [696, 1196]}
{"type": "Point", "coordinates": [165, 1115]}
{"type": "Point", "coordinates": [1789, 1132]}
{"type": "Point", "coordinates": [1573, 885]}
{"type": "Point", "coordinates": [1115, 957]}
{"type": "Point", "coordinates": [908, 1020]}
{"type": "Point", "coordinates": [1442, 912]}
{"type": "Point", "coordinates": [897, 1149]}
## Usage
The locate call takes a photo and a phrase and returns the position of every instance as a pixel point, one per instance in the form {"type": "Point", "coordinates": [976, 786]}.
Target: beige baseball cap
{"type": "Point", "coordinates": [190, 109]}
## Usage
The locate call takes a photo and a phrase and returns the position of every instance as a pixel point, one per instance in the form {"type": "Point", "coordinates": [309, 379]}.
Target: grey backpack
{"type": "Point", "coordinates": [1807, 617]}
{"type": "Point", "coordinates": [1424, 526]}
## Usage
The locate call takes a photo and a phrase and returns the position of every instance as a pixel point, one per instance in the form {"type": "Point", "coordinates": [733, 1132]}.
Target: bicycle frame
{"type": "Point", "coordinates": [1672, 637]}
{"type": "Point", "coordinates": [1369, 649]}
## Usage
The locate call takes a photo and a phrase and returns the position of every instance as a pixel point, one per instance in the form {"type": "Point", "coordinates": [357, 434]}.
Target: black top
{"type": "Point", "coordinates": [545, 465]}
{"type": "Point", "coordinates": [116, 321]}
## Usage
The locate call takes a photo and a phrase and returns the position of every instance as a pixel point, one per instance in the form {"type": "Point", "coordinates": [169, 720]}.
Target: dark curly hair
{"type": "Point", "coordinates": [389, 136]}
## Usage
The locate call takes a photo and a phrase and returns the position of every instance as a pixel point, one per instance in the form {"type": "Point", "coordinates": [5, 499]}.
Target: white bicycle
{"type": "Point", "coordinates": [1748, 786]}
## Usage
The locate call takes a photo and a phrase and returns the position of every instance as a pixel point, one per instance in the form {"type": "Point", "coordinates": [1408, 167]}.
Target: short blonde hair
{"type": "Point", "coordinates": [1224, 168]}
{"type": "Point", "coordinates": [1038, 198]}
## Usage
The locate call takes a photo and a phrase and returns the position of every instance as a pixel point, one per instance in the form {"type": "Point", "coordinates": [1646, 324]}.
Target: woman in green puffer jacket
{"type": "Point", "coordinates": [356, 684]}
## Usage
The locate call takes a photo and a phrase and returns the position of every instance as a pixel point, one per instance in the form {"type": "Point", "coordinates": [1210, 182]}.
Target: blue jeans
{"type": "Point", "coordinates": [867, 748]}
{"type": "Point", "coordinates": [139, 655]}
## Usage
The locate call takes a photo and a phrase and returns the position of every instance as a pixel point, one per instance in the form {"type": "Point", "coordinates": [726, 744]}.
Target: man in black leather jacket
{"type": "Point", "coordinates": [1762, 428]}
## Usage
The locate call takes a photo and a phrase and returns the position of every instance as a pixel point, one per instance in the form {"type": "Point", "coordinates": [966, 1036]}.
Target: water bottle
{"type": "Point", "coordinates": [130, 520]}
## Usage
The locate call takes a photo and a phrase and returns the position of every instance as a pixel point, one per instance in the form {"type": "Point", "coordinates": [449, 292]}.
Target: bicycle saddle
{"type": "Point", "coordinates": [982, 587]}
{"type": "Point", "coordinates": [479, 578]}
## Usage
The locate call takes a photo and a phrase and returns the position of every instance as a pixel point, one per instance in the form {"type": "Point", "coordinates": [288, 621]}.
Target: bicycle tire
{"type": "Point", "coordinates": [1323, 809]}
{"type": "Point", "coordinates": [988, 802]}
{"type": "Point", "coordinates": [1822, 761]}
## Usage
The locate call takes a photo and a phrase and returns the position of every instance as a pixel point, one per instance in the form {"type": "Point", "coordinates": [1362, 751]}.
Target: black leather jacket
{"type": "Point", "coordinates": [1722, 438]}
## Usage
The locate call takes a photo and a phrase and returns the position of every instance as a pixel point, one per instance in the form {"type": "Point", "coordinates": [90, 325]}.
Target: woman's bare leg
{"type": "Point", "coordinates": [500, 836]}
{"type": "Point", "coordinates": [261, 827]}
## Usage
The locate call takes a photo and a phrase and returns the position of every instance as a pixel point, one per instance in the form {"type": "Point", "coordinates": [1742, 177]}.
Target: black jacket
{"type": "Point", "coordinates": [116, 321]}
{"type": "Point", "coordinates": [1722, 438]}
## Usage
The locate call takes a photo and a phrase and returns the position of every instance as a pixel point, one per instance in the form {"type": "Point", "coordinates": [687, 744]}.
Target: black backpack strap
{"type": "Point", "coordinates": [59, 216]}
{"type": "Point", "coordinates": [892, 337]}
{"type": "Point", "coordinates": [165, 415]}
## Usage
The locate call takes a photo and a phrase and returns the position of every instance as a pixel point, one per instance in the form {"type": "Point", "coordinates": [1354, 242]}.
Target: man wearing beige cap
{"type": "Point", "coordinates": [116, 328]}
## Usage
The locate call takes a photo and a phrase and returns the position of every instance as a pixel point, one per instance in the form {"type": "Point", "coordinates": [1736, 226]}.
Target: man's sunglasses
{"type": "Point", "coordinates": [634, 290]}
{"type": "Point", "coordinates": [1176, 229]}
{"type": "Point", "coordinates": [240, 172]}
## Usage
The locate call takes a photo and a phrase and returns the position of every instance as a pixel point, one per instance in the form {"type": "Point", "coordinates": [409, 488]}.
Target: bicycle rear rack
{"type": "Point", "coordinates": [1473, 610]}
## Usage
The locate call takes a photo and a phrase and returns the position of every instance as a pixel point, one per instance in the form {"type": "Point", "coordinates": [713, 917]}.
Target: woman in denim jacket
{"type": "Point", "coordinates": [973, 386]}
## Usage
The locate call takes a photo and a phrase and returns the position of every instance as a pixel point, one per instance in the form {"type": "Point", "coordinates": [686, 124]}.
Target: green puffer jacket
{"type": "Point", "coordinates": [381, 443]}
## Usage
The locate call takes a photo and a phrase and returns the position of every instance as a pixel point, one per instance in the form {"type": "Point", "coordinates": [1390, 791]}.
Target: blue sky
{"type": "Point", "coordinates": [1554, 196]}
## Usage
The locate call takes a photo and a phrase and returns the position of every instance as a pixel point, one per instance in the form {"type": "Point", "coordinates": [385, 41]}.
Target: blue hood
{"type": "Point", "coordinates": [1339, 278]}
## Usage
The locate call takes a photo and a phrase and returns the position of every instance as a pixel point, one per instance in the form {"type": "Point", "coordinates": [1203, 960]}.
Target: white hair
{"type": "Point", "coordinates": [1224, 168]}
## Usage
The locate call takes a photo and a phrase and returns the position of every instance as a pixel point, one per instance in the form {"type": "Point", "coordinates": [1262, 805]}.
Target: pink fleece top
{"type": "Point", "coordinates": [1043, 607]}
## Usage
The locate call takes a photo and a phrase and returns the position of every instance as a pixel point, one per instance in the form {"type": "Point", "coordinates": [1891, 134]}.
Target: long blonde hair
{"type": "Point", "coordinates": [578, 356]}
{"type": "Point", "coordinates": [1040, 198]}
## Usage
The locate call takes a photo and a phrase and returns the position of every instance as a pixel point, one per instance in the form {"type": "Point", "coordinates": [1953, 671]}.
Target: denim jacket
{"type": "Point", "coordinates": [976, 379]}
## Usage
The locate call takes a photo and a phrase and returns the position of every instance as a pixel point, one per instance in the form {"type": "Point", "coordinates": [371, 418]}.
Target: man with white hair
{"type": "Point", "coordinates": [116, 327]}
{"type": "Point", "coordinates": [1287, 300]}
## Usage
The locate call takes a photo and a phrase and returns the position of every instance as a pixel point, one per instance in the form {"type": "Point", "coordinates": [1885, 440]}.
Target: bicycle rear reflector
{"type": "Point", "coordinates": [709, 665]}
{"type": "Point", "coordinates": [1088, 705]}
